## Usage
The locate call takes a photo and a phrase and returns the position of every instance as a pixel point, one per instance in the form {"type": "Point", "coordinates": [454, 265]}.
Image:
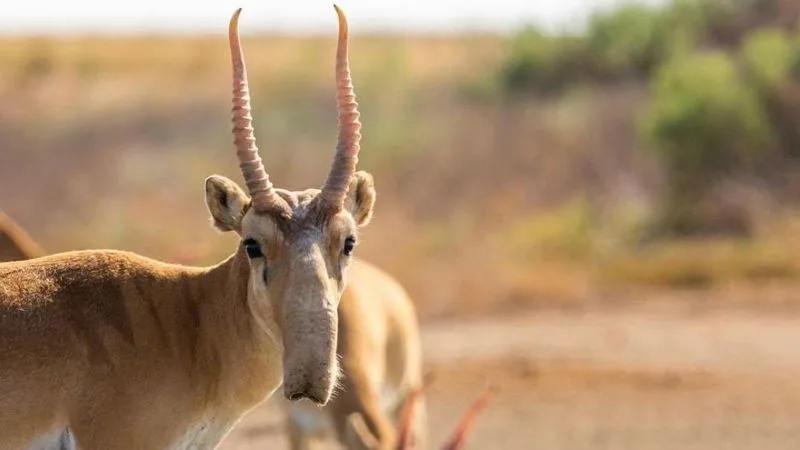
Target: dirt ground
{"type": "Point", "coordinates": [624, 380]}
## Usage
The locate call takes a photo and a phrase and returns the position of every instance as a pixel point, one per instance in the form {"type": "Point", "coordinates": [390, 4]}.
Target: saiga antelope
{"type": "Point", "coordinates": [15, 243]}
{"type": "Point", "coordinates": [381, 359]}
{"type": "Point", "coordinates": [378, 344]}
{"type": "Point", "coordinates": [134, 353]}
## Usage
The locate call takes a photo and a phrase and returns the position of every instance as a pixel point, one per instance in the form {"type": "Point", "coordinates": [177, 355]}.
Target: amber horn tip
{"type": "Point", "coordinates": [342, 19]}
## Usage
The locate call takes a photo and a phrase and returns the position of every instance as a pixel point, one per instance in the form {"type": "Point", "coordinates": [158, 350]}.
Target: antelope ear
{"type": "Point", "coordinates": [226, 202]}
{"type": "Point", "coordinates": [360, 199]}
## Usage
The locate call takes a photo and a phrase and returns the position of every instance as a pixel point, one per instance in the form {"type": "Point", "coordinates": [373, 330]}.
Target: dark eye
{"type": "Point", "coordinates": [349, 245]}
{"type": "Point", "coordinates": [252, 248]}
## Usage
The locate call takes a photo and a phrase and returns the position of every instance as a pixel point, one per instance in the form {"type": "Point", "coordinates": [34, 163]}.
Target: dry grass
{"type": "Point", "coordinates": [702, 264]}
{"type": "Point", "coordinates": [485, 204]}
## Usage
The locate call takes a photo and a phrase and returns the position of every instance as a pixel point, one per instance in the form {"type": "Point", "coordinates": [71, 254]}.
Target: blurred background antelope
{"type": "Point", "coordinates": [593, 204]}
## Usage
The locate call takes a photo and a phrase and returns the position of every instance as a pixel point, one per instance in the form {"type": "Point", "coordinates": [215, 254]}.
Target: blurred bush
{"type": "Point", "coordinates": [703, 122]}
{"type": "Point", "coordinates": [540, 63]}
{"type": "Point", "coordinates": [771, 61]}
{"type": "Point", "coordinates": [769, 56]}
{"type": "Point", "coordinates": [723, 87]}
{"type": "Point", "coordinates": [630, 41]}
{"type": "Point", "coordinates": [627, 42]}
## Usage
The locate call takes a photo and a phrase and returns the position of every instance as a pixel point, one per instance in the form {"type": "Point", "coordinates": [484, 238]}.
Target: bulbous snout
{"type": "Point", "coordinates": [310, 324]}
{"type": "Point", "coordinates": [307, 386]}
{"type": "Point", "coordinates": [310, 367]}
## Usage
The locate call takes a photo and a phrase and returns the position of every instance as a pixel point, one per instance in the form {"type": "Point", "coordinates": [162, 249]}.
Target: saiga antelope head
{"type": "Point", "coordinates": [298, 243]}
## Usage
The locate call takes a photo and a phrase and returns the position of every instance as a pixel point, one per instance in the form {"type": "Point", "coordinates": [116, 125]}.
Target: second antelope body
{"type": "Point", "coordinates": [133, 353]}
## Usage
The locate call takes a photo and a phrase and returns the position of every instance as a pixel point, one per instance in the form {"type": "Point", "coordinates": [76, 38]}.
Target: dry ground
{"type": "Point", "coordinates": [643, 380]}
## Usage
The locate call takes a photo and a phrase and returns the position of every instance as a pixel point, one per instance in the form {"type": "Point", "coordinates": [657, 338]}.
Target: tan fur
{"type": "Point", "coordinates": [133, 353]}
{"type": "Point", "coordinates": [380, 349]}
{"type": "Point", "coordinates": [15, 243]}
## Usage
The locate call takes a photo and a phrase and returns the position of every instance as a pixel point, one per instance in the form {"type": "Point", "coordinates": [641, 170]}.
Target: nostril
{"type": "Point", "coordinates": [308, 393]}
{"type": "Point", "coordinates": [295, 396]}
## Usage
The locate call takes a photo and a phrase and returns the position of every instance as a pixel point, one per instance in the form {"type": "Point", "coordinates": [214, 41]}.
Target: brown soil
{"type": "Point", "coordinates": [605, 381]}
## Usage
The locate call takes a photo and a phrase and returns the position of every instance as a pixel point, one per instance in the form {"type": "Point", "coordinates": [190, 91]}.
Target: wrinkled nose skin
{"type": "Point", "coordinates": [309, 360]}
{"type": "Point", "coordinates": [310, 323]}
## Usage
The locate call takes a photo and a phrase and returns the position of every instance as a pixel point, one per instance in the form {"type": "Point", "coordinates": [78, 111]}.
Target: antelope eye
{"type": "Point", "coordinates": [252, 248]}
{"type": "Point", "coordinates": [349, 245]}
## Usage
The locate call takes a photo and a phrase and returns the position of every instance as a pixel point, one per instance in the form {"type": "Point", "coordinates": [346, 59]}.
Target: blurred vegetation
{"type": "Point", "coordinates": [769, 57]}
{"type": "Point", "coordinates": [703, 123]}
{"type": "Point", "coordinates": [659, 147]}
{"type": "Point", "coordinates": [628, 42]}
{"type": "Point", "coordinates": [723, 88]}
{"type": "Point", "coordinates": [543, 63]}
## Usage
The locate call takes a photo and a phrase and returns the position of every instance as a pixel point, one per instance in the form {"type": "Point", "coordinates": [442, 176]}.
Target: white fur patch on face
{"type": "Point", "coordinates": [261, 228]}
{"type": "Point", "coordinates": [264, 230]}
{"type": "Point", "coordinates": [261, 308]}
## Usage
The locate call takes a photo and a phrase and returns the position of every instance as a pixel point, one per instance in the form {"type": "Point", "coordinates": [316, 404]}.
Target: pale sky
{"type": "Point", "coordinates": [293, 16]}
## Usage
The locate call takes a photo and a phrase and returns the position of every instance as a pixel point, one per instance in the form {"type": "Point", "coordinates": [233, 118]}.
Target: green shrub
{"type": "Point", "coordinates": [771, 61]}
{"type": "Point", "coordinates": [631, 39]}
{"type": "Point", "coordinates": [702, 117]}
{"type": "Point", "coordinates": [637, 39]}
{"type": "Point", "coordinates": [768, 55]}
{"type": "Point", "coordinates": [539, 62]}
{"type": "Point", "coordinates": [703, 121]}
{"type": "Point", "coordinates": [695, 18]}
{"type": "Point", "coordinates": [794, 65]}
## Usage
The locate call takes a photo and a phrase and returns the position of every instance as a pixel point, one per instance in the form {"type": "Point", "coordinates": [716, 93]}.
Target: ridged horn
{"type": "Point", "coordinates": [265, 199]}
{"type": "Point", "coordinates": [344, 163]}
